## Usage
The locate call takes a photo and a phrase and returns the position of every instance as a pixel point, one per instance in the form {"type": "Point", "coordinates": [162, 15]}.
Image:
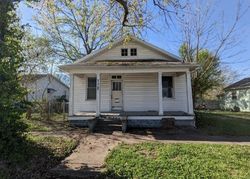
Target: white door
{"type": "Point", "coordinates": [116, 95]}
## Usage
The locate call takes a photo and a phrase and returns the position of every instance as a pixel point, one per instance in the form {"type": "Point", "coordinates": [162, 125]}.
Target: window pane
{"type": "Point", "coordinates": [133, 51]}
{"type": "Point", "coordinates": [91, 88]}
{"type": "Point", "coordinates": [170, 95]}
{"type": "Point", "coordinates": [167, 86]}
{"type": "Point", "coordinates": [167, 81]}
{"type": "Point", "coordinates": [116, 86]}
{"type": "Point", "coordinates": [124, 52]}
{"type": "Point", "coordinates": [91, 93]}
{"type": "Point", "coordinates": [91, 82]}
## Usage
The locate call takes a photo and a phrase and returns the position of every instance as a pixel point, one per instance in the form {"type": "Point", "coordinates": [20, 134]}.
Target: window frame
{"type": "Point", "coordinates": [234, 95]}
{"type": "Point", "coordinates": [131, 52]}
{"type": "Point", "coordinates": [173, 88]}
{"type": "Point", "coordinates": [87, 87]}
{"type": "Point", "coordinates": [122, 53]}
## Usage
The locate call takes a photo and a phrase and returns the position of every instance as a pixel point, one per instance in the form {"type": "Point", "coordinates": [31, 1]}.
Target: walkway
{"type": "Point", "coordinates": [88, 158]}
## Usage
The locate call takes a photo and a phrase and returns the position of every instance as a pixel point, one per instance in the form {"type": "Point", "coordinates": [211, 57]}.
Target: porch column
{"type": "Point", "coordinates": [160, 93]}
{"type": "Point", "coordinates": [71, 95]}
{"type": "Point", "coordinates": [189, 93]}
{"type": "Point", "coordinates": [98, 89]}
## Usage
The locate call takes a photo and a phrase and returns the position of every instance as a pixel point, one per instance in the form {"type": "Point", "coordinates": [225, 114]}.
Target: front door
{"type": "Point", "coordinates": [116, 95]}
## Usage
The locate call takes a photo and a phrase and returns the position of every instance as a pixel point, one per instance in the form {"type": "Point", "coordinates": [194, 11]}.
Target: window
{"type": "Point", "coordinates": [116, 86]}
{"type": "Point", "coordinates": [116, 77]}
{"type": "Point", "coordinates": [91, 89]}
{"type": "Point", "coordinates": [124, 52]}
{"type": "Point", "coordinates": [167, 86]}
{"type": "Point", "coordinates": [133, 52]}
{"type": "Point", "coordinates": [234, 96]}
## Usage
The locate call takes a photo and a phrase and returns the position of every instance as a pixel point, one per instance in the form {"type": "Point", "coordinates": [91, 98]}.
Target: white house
{"type": "Point", "coordinates": [44, 87]}
{"type": "Point", "coordinates": [237, 96]}
{"type": "Point", "coordinates": [136, 80]}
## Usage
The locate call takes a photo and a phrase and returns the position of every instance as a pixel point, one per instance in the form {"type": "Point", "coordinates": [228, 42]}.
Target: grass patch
{"type": "Point", "coordinates": [39, 124]}
{"type": "Point", "coordinates": [156, 160]}
{"type": "Point", "coordinates": [224, 123]}
{"type": "Point", "coordinates": [35, 156]}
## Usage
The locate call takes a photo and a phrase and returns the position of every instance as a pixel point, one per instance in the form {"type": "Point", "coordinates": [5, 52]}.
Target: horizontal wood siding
{"type": "Point", "coordinates": [80, 102]}
{"type": "Point", "coordinates": [80, 97]}
{"type": "Point", "coordinates": [143, 52]}
{"type": "Point", "coordinates": [140, 92]}
{"type": "Point", "coordinates": [179, 102]}
{"type": "Point", "coordinates": [105, 92]}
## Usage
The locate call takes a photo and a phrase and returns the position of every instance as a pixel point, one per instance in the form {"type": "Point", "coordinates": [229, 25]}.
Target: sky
{"type": "Point", "coordinates": [169, 39]}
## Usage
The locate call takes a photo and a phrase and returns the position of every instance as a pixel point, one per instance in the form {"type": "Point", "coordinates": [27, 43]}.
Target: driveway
{"type": "Point", "coordinates": [88, 158]}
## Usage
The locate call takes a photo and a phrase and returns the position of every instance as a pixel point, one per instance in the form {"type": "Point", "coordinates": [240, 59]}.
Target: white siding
{"type": "Point", "coordinates": [179, 102]}
{"type": "Point", "coordinates": [80, 97]}
{"type": "Point", "coordinates": [143, 52]}
{"type": "Point", "coordinates": [80, 101]}
{"type": "Point", "coordinates": [38, 89]}
{"type": "Point", "coordinates": [242, 102]}
{"type": "Point", "coordinates": [140, 93]}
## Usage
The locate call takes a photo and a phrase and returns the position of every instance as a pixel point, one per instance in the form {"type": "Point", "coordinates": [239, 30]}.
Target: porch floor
{"type": "Point", "coordinates": [133, 113]}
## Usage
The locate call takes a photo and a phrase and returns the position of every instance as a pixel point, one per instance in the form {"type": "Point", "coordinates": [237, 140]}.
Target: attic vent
{"type": "Point", "coordinates": [124, 52]}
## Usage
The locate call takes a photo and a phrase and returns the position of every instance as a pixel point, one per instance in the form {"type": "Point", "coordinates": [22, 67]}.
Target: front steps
{"type": "Point", "coordinates": [108, 125]}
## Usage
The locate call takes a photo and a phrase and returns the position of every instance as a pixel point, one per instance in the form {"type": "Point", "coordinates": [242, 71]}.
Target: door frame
{"type": "Point", "coordinates": [121, 80]}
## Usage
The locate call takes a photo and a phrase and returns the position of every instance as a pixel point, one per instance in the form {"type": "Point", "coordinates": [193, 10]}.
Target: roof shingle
{"type": "Point", "coordinates": [244, 83]}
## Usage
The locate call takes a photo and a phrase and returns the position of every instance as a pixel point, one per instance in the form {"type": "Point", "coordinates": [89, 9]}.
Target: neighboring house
{"type": "Point", "coordinates": [237, 96]}
{"type": "Point", "coordinates": [134, 80]}
{"type": "Point", "coordinates": [44, 87]}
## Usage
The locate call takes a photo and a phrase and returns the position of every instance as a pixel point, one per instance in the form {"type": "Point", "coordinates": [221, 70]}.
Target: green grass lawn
{"type": "Point", "coordinates": [39, 124]}
{"type": "Point", "coordinates": [157, 160]}
{"type": "Point", "coordinates": [224, 123]}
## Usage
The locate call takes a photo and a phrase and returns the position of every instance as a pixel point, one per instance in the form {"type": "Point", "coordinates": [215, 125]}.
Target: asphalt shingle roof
{"type": "Point", "coordinates": [244, 83]}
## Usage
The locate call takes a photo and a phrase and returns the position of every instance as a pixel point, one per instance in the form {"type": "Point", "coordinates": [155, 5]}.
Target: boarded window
{"type": "Point", "coordinates": [133, 52]}
{"type": "Point", "coordinates": [91, 89]}
{"type": "Point", "coordinates": [124, 52]}
{"type": "Point", "coordinates": [167, 86]}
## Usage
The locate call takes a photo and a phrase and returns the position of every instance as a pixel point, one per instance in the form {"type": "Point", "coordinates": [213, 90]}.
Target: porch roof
{"type": "Point", "coordinates": [125, 64]}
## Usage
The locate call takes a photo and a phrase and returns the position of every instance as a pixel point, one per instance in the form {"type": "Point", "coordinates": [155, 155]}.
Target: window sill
{"type": "Point", "coordinates": [90, 99]}
{"type": "Point", "coordinates": [166, 98]}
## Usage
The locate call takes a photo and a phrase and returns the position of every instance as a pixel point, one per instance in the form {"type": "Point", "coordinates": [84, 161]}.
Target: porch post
{"type": "Point", "coordinates": [98, 88]}
{"type": "Point", "coordinates": [189, 93]}
{"type": "Point", "coordinates": [160, 93]}
{"type": "Point", "coordinates": [71, 95]}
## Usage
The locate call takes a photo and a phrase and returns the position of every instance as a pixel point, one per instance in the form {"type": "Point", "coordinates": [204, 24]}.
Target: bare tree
{"type": "Point", "coordinates": [201, 31]}
{"type": "Point", "coordinates": [75, 28]}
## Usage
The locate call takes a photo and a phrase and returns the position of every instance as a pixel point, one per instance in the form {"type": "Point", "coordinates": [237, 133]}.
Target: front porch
{"type": "Point", "coordinates": [133, 119]}
{"type": "Point", "coordinates": [139, 97]}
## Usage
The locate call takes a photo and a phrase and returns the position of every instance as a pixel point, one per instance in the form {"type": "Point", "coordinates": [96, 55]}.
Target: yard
{"type": "Point", "coordinates": [224, 123]}
{"type": "Point", "coordinates": [48, 142]}
{"type": "Point", "coordinates": [157, 160]}
{"type": "Point", "coordinates": [37, 152]}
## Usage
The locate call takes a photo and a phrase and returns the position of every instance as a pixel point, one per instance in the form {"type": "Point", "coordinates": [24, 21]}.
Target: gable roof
{"type": "Point", "coordinates": [151, 46]}
{"type": "Point", "coordinates": [34, 77]}
{"type": "Point", "coordinates": [244, 83]}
